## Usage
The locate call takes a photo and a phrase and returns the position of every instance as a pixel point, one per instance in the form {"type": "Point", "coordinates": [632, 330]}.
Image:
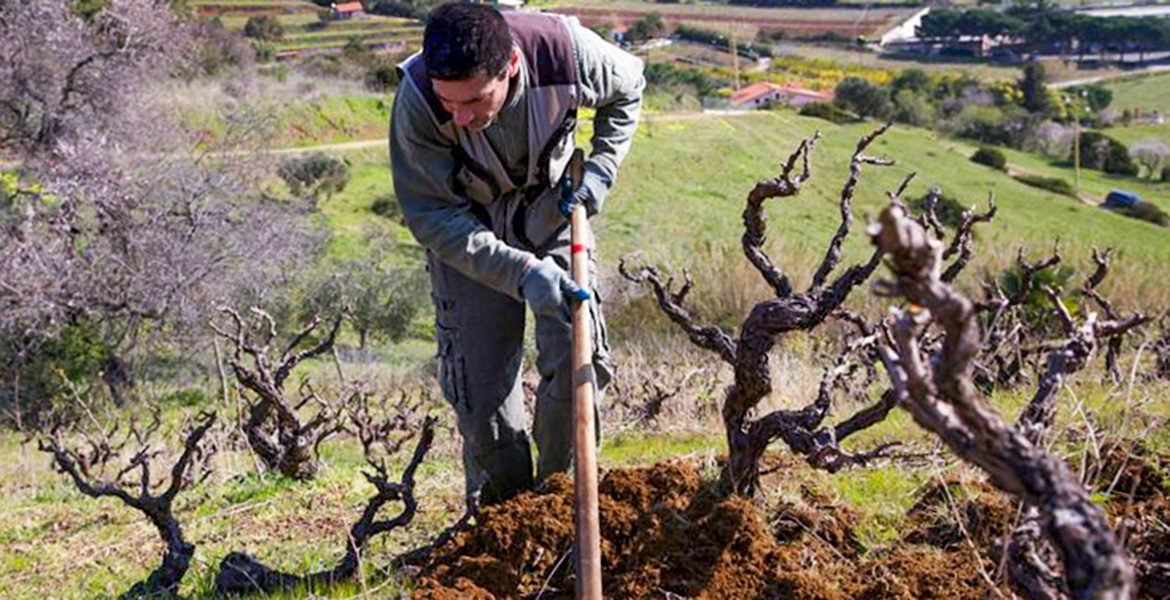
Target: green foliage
{"type": "Point", "coordinates": [782, 3]}
{"type": "Point", "coordinates": [865, 98]}
{"type": "Point", "coordinates": [720, 40]}
{"type": "Point", "coordinates": [1166, 174]}
{"type": "Point", "coordinates": [984, 124]}
{"type": "Point", "coordinates": [1034, 86]}
{"type": "Point", "coordinates": [990, 157]}
{"type": "Point", "coordinates": [668, 75]}
{"type": "Point", "coordinates": [77, 355]}
{"type": "Point", "coordinates": [948, 210]}
{"type": "Point", "coordinates": [265, 51]}
{"type": "Point", "coordinates": [189, 397]}
{"type": "Point", "coordinates": [1055, 185]}
{"type": "Point", "coordinates": [914, 80]}
{"type": "Point", "coordinates": [1099, 97]}
{"type": "Point", "coordinates": [379, 301]}
{"type": "Point", "coordinates": [387, 207]}
{"type": "Point", "coordinates": [913, 108]}
{"type": "Point", "coordinates": [382, 76]}
{"type": "Point", "coordinates": [265, 27]}
{"type": "Point", "coordinates": [1147, 212]}
{"type": "Point", "coordinates": [1101, 152]}
{"type": "Point", "coordinates": [1037, 306]}
{"type": "Point", "coordinates": [648, 27]}
{"type": "Point", "coordinates": [397, 8]}
{"type": "Point", "coordinates": [88, 9]}
{"type": "Point", "coordinates": [828, 111]}
{"type": "Point", "coordinates": [314, 174]}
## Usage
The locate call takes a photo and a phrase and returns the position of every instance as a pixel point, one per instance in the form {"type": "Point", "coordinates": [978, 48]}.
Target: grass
{"type": "Point", "coordinates": [1147, 92]}
{"type": "Point", "coordinates": [676, 198]}
{"type": "Point", "coordinates": [105, 546]}
{"type": "Point", "coordinates": [1094, 184]}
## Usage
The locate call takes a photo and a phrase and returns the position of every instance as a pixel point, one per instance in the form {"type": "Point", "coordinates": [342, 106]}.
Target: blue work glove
{"type": "Point", "coordinates": [548, 289]}
{"type": "Point", "coordinates": [591, 193]}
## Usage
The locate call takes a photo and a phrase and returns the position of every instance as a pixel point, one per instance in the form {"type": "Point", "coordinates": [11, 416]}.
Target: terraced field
{"type": "Point", "coordinates": [306, 33]}
{"type": "Point", "coordinates": [851, 21]}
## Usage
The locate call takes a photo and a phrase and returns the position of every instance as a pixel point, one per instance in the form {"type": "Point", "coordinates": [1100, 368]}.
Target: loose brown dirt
{"type": "Point", "coordinates": [1138, 503]}
{"type": "Point", "coordinates": [669, 534]}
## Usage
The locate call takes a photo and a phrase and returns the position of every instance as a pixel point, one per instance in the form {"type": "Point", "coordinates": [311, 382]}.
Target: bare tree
{"type": "Point", "coordinates": [789, 311]}
{"type": "Point", "coordinates": [274, 428]}
{"type": "Point", "coordinates": [87, 469]}
{"type": "Point", "coordinates": [63, 76]}
{"type": "Point", "coordinates": [938, 392]}
{"type": "Point", "coordinates": [1028, 564]}
{"type": "Point", "coordinates": [242, 574]}
{"type": "Point", "coordinates": [119, 227]}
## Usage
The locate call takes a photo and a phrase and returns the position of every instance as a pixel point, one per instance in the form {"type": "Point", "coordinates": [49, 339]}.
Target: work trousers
{"type": "Point", "coordinates": [480, 335]}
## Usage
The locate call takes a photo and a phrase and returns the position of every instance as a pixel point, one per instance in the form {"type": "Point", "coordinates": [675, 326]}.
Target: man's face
{"type": "Point", "coordinates": [476, 101]}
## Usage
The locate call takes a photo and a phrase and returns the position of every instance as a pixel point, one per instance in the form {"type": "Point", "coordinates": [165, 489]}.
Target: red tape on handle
{"type": "Point", "coordinates": [578, 248]}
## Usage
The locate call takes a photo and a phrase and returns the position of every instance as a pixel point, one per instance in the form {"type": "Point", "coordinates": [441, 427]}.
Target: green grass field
{"type": "Point", "coordinates": [684, 184]}
{"type": "Point", "coordinates": [1147, 92]}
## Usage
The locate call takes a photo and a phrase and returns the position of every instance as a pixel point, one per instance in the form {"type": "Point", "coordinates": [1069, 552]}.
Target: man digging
{"type": "Point", "coordinates": [482, 130]}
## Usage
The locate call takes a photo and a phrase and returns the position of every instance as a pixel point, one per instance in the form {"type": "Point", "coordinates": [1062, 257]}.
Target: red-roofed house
{"type": "Point", "coordinates": [346, 10]}
{"type": "Point", "coordinates": [765, 93]}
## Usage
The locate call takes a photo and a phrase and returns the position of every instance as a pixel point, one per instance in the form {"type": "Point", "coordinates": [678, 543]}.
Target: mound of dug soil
{"type": "Point", "coordinates": [664, 532]}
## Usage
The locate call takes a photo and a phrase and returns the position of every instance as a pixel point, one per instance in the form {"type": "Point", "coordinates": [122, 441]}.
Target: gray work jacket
{"type": "Point", "coordinates": [484, 202]}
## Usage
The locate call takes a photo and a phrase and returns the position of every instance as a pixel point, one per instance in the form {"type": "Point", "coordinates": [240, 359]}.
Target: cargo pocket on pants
{"type": "Point", "coordinates": [452, 374]}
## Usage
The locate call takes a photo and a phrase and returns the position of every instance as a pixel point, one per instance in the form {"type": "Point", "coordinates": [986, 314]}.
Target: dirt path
{"type": "Point", "coordinates": [1110, 76]}
{"type": "Point", "coordinates": [383, 142]}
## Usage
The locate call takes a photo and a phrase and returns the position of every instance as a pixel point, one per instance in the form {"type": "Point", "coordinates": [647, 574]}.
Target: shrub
{"type": "Point", "coordinates": [990, 157]}
{"type": "Point", "coordinates": [827, 111]}
{"type": "Point", "coordinates": [1101, 152]}
{"type": "Point", "coordinates": [1146, 212]}
{"type": "Point", "coordinates": [666, 74]}
{"type": "Point", "coordinates": [986, 124]}
{"type": "Point", "coordinates": [1055, 185]}
{"type": "Point", "coordinates": [948, 210]}
{"type": "Point", "coordinates": [1150, 154]}
{"type": "Point", "coordinates": [387, 207]}
{"type": "Point", "coordinates": [382, 77]}
{"type": "Point", "coordinates": [913, 108]}
{"type": "Point", "coordinates": [380, 302]}
{"type": "Point", "coordinates": [394, 8]}
{"type": "Point", "coordinates": [864, 98]}
{"type": "Point", "coordinates": [1166, 174]}
{"type": "Point", "coordinates": [314, 174]}
{"type": "Point", "coordinates": [649, 27]}
{"type": "Point", "coordinates": [1037, 307]}
{"type": "Point", "coordinates": [263, 28]}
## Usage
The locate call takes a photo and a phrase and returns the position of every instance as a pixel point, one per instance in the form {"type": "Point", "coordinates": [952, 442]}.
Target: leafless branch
{"type": "Point", "coordinates": [164, 579]}
{"type": "Point", "coordinates": [242, 574]}
{"type": "Point", "coordinates": [275, 431]}
{"type": "Point", "coordinates": [939, 394]}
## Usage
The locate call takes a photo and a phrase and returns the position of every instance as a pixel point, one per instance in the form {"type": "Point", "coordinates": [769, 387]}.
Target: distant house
{"type": "Point", "coordinates": [347, 10]}
{"type": "Point", "coordinates": [765, 93]}
{"type": "Point", "coordinates": [905, 31]}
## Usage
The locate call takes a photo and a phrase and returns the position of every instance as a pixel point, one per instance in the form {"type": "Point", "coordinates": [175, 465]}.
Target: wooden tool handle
{"type": "Point", "coordinates": [585, 446]}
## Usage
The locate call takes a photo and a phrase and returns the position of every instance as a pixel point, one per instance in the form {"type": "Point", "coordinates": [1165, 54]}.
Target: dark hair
{"type": "Point", "coordinates": [465, 40]}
